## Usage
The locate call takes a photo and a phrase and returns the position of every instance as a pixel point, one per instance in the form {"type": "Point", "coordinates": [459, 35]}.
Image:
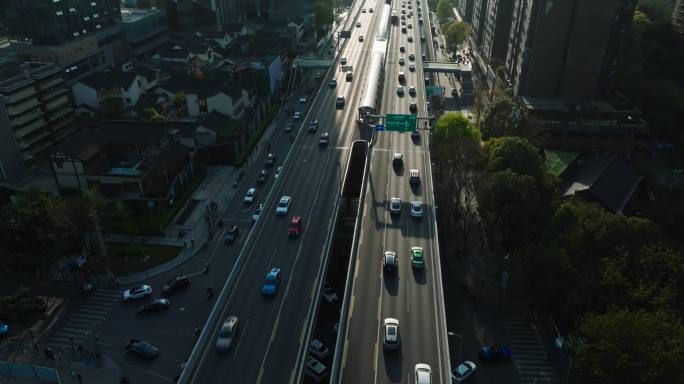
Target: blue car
{"type": "Point", "coordinates": [4, 328]}
{"type": "Point", "coordinates": [494, 352]}
{"type": "Point", "coordinates": [271, 282]}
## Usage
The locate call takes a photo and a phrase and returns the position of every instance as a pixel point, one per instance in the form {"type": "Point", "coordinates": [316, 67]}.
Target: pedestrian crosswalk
{"type": "Point", "coordinates": [529, 353]}
{"type": "Point", "coordinates": [79, 329]}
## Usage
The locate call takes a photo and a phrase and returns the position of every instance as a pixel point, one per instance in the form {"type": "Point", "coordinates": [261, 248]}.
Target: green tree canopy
{"type": "Point", "coordinates": [610, 259]}
{"type": "Point", "coordinates": [445, 10]}
{"type": "Point", "coordinates": [516, 154]}
{"type": "Point", "coordinates": [455, 33]}
{"type": "Point", "coordinates": [323, 13]}
{"type": "Point", "coordinates": [35, 233]}
{"type": "Point", "coordinates": [510, 198]}
{"type": "Point", "coordinates": [623, 346]}
{"type": "Point", "coordinates": [503, 117]}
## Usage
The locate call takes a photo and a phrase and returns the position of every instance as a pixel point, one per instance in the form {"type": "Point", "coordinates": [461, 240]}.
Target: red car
{"type": "Point", "coordinates": [295, 226]}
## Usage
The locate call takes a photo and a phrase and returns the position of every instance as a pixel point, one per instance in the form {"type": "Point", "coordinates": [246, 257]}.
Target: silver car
{"type": "Point", "coordinates": [391, 334]}
{"type": "Point", "coordinates": [395, 206]}
{"type": "Point", "coordinates": [227, 334]}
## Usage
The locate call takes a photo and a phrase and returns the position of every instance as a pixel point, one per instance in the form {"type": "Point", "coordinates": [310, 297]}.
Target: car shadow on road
{"type": "Point", "coordinates": [393, 361]}
{"type": "Point", "coordinates": [392, 284]}
{"type": "Point", "coordinates": [420, 276]}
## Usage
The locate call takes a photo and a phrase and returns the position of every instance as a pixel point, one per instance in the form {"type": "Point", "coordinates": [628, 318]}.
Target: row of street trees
{"type": "Point", "coordinates": [614, 284]}
{"type": "Point", "coordinates": [42, 229]}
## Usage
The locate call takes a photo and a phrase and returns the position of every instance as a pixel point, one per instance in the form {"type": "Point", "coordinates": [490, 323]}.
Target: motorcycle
{"type": "Point", "coordinates": [210, 292]}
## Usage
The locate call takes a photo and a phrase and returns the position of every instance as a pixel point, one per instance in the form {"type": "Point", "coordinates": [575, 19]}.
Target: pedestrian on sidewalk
{"type": "Point", "coordinates": [192, 241]}
{"type": "Point", "coordinates": [79, 378]}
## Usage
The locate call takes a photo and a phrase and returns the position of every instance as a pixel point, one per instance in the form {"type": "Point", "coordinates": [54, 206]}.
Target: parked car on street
{"type": "Point", "coordinates": [175, 284]}
{"type": "Point", "coordinates": [494, 352]}
{"type": "Point", "coordinates": [317, 349]}
{"type": "Point", "coordinates": [142, 348]}
{"type": "Point", "coordinates": [137, 292]}
{"type": "Point", "coordinates": [463, 371]}
{"type": "Point", "coordinates": [156, 305]}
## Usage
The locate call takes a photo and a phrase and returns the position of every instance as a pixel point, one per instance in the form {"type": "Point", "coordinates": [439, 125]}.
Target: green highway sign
{"type": "Point", "coordinates": [400, 123]}
{"type": "Point", "coordinates": [433, 90]}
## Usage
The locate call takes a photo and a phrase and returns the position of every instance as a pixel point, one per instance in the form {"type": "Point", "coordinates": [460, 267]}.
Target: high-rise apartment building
{"type": "Point", "coordinates": [79, 35]}
{"type": "Point", "coordinates": [465, 8]}
{"type": "Point", "coordinates": [36, 114]}
{"type": "Point", "coordinates": [566, 49]}
{"type": "Point", "coordinates": [480, 15]}
{"type": "Point", "coordinates": [499, 16]}
{"type": "Point", "coordinates": [191, 14]}
{"type": "Point", "coordinates": [678, 15]}
{"type": "Point", "coordinates": [51, 22]}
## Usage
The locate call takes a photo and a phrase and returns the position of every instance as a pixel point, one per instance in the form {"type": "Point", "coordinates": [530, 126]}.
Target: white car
{"type": "Point", "coordinates": [137, 292]}
{"type": "Point", "coordinates": [317, 349]}
{"type": "Point", "coordinates": [395, 206]}
{"type": "Point", "coordinates": [302, 100]}
{"type": "Point", "coordinates": [250, 195]}
{"type": "Point", "coordinates": [391, 334]}
{"type": "Point", "coordinates": [283, 206]}
{"type": "Point", "coordinates": [416, 209]}
{"type": "Point", "coordinates": [423, 374]}
{"type": "Point", "coordinates": [257, 212]}
{"type": "Point", "coordinates": [414, 176]}
{"type": "Point", "coordinates": [315, 369]}
{"type": "Point", "coordinates": [463, 371]}
{"type": "Point", "coordinates": [297, 115]}
{"type": "Point", "coordinates": [278, 171]}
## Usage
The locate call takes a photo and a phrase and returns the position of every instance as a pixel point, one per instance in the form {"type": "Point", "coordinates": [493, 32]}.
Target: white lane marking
{"type": "Point", "coordinates": [242, 335]}
{"type": "Point", "coordinates": [407, 297]}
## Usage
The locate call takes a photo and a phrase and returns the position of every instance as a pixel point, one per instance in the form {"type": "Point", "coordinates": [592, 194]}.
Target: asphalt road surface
{"type": "Point", "coordinates": [270, 341]}
{"type": "Point", "coordinates": [412, 296]}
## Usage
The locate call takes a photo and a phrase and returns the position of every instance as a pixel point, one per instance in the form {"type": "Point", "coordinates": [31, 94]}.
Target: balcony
{"type": "Point", "coordinates": [50, 83]}
{"type": "Point", "coordinates": [59, 113]}
{"type": "Point", "coordinates": [34, 144]}
{"type": "Point", "coordinates": [30, 128]}
{"type": "Point", "coordinates": [49, 95]}
{"type": "Point", "coordinates": [26, 118]}
{"type": "Point", "coordinates": [37, 150]}
{"type": "Point", "coordinates": [21, 95]}
{"type": "Point", "coordinates": [18, 109]}
{"type": "Point", "coordinates": [57, 103]}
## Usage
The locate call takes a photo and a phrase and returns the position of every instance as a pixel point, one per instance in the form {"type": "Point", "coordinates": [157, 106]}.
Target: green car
{"type": "Point", "coordinates": [417, 257]}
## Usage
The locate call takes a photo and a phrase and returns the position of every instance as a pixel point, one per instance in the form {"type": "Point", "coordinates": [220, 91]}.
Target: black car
{"type": "Point", "coordinates": [175, 284]}
{"type": "Point", "coordinates": [270, 159]}
{"type": "Point", "coordinates": [415, 135]}
{"type": "Point", "coordinates": [157, 305]}
{"type": "Point", "coordinates": [263, 176]}
{"type": "Point", "coordinates": [231, 234]}
{"type": "Point", "coordinates": [142, 348]}
{"type": "Point", "coordinates": [493, 352]}
{"type": "Point", "coordinates": [390, 263]}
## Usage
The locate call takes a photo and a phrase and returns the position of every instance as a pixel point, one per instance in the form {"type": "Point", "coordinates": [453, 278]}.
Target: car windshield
{"type": "Point", "coordinates": [282, 203]}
